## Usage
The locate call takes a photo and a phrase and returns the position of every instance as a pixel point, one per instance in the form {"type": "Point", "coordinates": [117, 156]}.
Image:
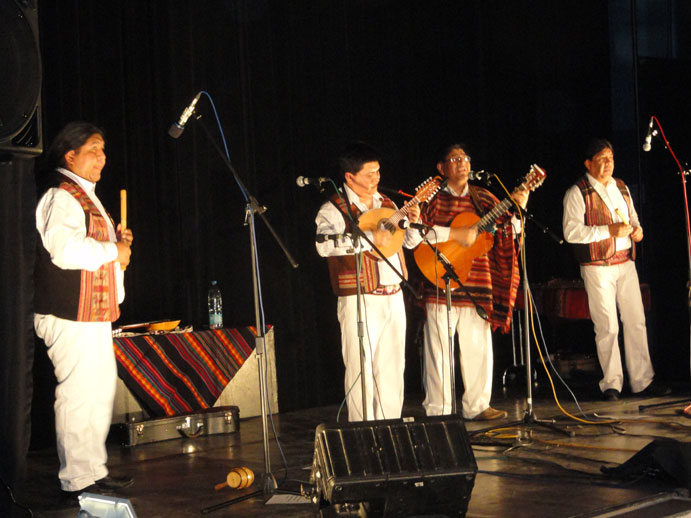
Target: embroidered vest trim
{"type": "Point", "coordinates": [79, 295]}
{"type": "Point", "coordinates": [342, 272]}
{"type": "Point", "coordinates": [601, 253]}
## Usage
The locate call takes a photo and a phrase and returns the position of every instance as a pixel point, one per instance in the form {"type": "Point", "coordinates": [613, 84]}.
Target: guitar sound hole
{"type": "Point", "coordinates": [385, 224]}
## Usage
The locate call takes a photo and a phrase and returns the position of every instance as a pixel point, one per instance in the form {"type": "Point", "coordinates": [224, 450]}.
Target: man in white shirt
{"type": "Point", "coordinates": [488, 286]}
{"type": "Point", "coordinates": [79, 285]}
{"type": "Point", "coordinates": [600, 221]}
{"type": "Point", "coordinates": [383, 310]}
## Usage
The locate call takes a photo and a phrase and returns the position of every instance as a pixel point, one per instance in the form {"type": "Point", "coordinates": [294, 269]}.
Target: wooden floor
{"type": "Point", "coordinates": [524, 470]}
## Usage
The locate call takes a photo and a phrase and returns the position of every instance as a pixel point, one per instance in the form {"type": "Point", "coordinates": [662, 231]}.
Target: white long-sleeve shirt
{"type": "Point", "coordinates": [60, 223]}
{"type": "Point", "coordinates": [573, 222]}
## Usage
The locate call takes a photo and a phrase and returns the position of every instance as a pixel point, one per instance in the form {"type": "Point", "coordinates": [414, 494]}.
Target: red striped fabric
{"type": "Point", "coordinates": [342, 270]}
{"type": "Point", "coordinates": [177, 373]}
{"type": "Point", "coordinates": [98, 292]}
{"type": "Point", "coordinates": [493, 279]}
{"type": "Point", "coordinates": [597, 213]}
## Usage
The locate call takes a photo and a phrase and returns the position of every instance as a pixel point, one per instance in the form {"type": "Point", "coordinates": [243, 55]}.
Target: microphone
{"type": "Point", "coordinates": [178, 127]}
{"type": "Point", "coordinates": [404, 224]}
{"type": "Point", "coordinates": [479, 175]}
{"type": "Point", "coordinates": [303, 180]}
{"type": "Point", "coordinates": [321, 238]}
{"type": "Point", "coordinates": [649, 136]}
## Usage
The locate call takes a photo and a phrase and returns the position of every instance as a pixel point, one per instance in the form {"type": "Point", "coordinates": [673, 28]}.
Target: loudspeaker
{"type": "Point", "coordinates": [102, 506]}
{"type": "Point", "coordinates": [20, 80]}
{"type": "Point", "coordinates": [395, 468]}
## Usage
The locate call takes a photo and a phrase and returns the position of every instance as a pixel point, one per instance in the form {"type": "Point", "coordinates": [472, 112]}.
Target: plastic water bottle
{"type": "Point", "coordinates": [215, 307]}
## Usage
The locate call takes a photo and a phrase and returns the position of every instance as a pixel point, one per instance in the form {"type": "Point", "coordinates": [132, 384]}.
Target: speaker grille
{"type": "Point", "coordinates": [401, 467]}
{"type": "Point", "coordinates": [20, 80]}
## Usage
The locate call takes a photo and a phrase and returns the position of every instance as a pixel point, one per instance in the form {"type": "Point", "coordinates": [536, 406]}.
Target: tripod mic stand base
{"type": "Point", "coordinates": [270, 486]}
{"type": "Point", "coordinates": [530, 419]}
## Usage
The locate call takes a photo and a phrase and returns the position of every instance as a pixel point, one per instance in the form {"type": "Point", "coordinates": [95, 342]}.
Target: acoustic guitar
{"type": "Point", "coordinates": [461, 257]}
{"type": "Point", "coordinates": [386, 218]}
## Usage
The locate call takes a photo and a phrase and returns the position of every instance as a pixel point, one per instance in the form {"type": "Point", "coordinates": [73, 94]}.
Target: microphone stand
{"type": "Point", "coordinates": [683, 174]}
{"type": "Point", "coordinates": [449, 275]}
{"type": "Point", "coordinates": [528, 216]}
{"type": "Point", "coordinates": [529, 416]}
{"type": "Point", "coordinates": [269, 486]}
{"type": "Point", "coordinates": [356, 234]}
{"type": "Point", "coordinates": [545, 229]}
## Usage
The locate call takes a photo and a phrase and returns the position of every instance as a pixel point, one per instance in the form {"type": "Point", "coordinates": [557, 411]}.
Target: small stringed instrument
{"type": "Point", "coordinates": [461, 257]}
{"type": "Point", "coordinates": [388, 219]}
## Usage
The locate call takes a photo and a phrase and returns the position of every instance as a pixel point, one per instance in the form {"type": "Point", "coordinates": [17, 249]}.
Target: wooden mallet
{"type": "Point", "coordinates": [238, 478]}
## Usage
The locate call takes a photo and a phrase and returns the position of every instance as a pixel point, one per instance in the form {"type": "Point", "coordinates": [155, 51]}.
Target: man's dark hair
{"type": "Point", "coordinates": [595, 146]}
{"type": "Point", "coordinates": [355, 155]}
{"type": "Point", "coordinates": [443, 152]}
{"type": "Point", "coordinates": [73, 136]}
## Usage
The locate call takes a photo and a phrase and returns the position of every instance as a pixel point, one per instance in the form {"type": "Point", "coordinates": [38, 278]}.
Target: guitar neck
{"type": "Point", "coordinates": [401, 213]}
{"type": "Point", "coordinates": [425, 191]}
{"type": "Point", "coordinates": [486, 223]}
{"type": "Point", "coordinates": [533, 180]}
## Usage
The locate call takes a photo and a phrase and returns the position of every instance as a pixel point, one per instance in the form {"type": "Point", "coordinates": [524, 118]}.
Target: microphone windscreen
{"type": "Point", "coordinates": [175, 131]}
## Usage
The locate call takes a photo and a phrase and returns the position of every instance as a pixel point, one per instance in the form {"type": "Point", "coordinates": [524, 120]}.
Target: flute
{"type": "Point", "coordinates": [123, 214]}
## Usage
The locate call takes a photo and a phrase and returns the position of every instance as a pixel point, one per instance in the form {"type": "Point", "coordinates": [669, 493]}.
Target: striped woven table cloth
{"type": "Point", "coordinates": [178, 373]}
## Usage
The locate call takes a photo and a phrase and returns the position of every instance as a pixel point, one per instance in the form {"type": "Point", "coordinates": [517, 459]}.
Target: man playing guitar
{"type": "Point", "coordinates": [492, 282]}
{"type": "Point", "coordinates": [383, 309]}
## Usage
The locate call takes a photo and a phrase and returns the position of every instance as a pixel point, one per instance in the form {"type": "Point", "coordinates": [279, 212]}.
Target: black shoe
{"type": "Point", "coordinates": [611, 395]}
{"type": "Point", "coordinates": [655, 389]}
{"type": "Point", "coordinates": [110, 483]}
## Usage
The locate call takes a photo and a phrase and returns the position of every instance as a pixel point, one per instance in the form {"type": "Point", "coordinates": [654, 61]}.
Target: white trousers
{"type": "Point", "coordinates": [475, 350]}
{"type": "Point", "coordinates": [609, 287]}
{"type": "Point", "coordinates": [84, 361]}
{"type": "Point", "coordinates": [384, 355]}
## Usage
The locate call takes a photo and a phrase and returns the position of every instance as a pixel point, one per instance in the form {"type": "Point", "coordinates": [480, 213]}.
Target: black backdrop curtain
{"type": "Point", "coordinates": [17, 250]}
{"type": "Point", "coordinates": [292, 82]}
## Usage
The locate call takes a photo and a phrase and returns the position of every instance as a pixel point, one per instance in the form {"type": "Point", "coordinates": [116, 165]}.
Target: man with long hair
{"type": "Point", "coordinates": [81, 257]}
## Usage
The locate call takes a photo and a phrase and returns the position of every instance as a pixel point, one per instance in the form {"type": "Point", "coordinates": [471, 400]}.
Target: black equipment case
{"type": "Point", "coordinates": [209, 421]}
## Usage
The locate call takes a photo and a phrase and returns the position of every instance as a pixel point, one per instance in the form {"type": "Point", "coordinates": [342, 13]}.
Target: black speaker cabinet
{"type": "Point", "coordinates": [395, 468]}
{"type": "Point", "coordinates": [20, 79]}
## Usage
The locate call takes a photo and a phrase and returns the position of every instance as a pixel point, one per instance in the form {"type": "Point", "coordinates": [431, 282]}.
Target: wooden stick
{"type": "Point", "coordinates": [123, 214]}
{"type": "Point", "coordinates": [621, 216]}
{"type": "Point", "coordinates": [123, 209]}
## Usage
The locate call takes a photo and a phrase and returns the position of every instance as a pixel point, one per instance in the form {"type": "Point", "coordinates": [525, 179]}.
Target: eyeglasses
{"type": "Point", "coordinates": [457, 159]}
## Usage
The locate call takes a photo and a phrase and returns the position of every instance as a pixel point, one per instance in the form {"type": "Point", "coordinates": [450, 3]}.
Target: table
{"type": "Point", "coordinates": [178, 373]}
{"type": "Point", "coordinates": [566, 299]}
{"type": "Point", "coordinates": [564, 302]}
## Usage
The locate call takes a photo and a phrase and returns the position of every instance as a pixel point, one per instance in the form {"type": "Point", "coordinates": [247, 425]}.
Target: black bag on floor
{"type": "Point", "coordinates": [665, 459]}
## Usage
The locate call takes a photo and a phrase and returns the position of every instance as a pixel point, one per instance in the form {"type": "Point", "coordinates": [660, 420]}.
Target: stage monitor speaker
{"type": "Point", "coordinates": [20, 79]}
{"type": "Point", "coordinates": [103, 506]}
{"type": "Point", "coordinates": [394, 468]}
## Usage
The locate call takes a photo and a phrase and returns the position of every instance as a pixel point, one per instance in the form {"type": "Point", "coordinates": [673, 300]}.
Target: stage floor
{"type": "Point", "coordinates": [523, 471]}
